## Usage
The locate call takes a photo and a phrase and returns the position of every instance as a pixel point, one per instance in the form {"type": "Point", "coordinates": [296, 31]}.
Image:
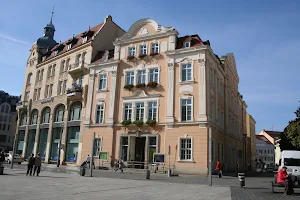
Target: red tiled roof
{"type": "Point", "coordinates": [77, 42]}
{"type": "Point", "coordinates": [100, 56]}
{"type": "Point", "coordinates": [263, 138]}
{"type": "Point", "coordinates": [194, 39]}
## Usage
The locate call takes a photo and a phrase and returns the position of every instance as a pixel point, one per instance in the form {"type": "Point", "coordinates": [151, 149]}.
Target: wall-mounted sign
{"type": "Point", "coordinates": [103, 155]}
{"type": "Point", "coordinates": [158, 158]}
{"type": "Point", "coordinates": [47, 100]}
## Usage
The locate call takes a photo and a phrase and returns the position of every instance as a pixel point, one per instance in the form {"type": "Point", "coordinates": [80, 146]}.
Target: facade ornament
{"type": "Point", "coordinates": [92, 76]}
{"type": "Point", "coordinates": [114, 73]}
{"type": "Point", "coordinates": [171, 66]}
{"type": "Point", "coordinates": [143, 31]}
{"type": "Point", "coordinates": [201, 62]}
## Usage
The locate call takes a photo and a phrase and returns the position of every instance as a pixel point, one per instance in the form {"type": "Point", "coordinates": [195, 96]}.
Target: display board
{"type": "Point", "coordinates": [158, 158]}
{"type": "Point", "coordinates": [103, 155]}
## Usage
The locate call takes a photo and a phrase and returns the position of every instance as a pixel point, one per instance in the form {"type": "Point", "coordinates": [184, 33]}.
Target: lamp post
{"type": "Point", "coordinates": [245, 153]}
{"type": "Point", "coordinates": [209, 156]}
{"type": "Point", "coordinates": [59, 146]}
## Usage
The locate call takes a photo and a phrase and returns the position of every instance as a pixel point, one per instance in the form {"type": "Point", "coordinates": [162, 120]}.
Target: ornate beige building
{"type": "Point", "coordinates": [150, 95]}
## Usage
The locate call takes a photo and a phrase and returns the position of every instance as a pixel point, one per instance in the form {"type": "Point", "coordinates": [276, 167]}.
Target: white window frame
{"type": "Point", "coordinates": [153, 46]}
{"type": "Point", "coordinates": [192, 71]}
{"type": "Point", "coordinates": [154, 74]}
{"type": "Point", "coordinates": [101, 110]}
{"type": "Point", "coordinates": [143, 73]}
{"type": "Point", "coordinates": [186, 97]}
{"type": "Point", "coordinates": [132, 50]}
{"type": "Point", "coordinates": [187, 45]}
{"type": "Point", "coordinates": [132, 80]}
{"type": "Point", "coordinates": [69, 46]}
{"type": "Point", "coordinates": [124, 113]}
{"type": "Point", "coordinates": [55, 52]}
{"type": "Point", "coordinates": [154, 107]}
{"type": "Point", "coordinates": [179, 148]}
{"type": "Point", "coordinates": [143, 49]}
{"type": "Point", "coordinates": [138, 115]}
{"type": "Point", "coordinates": [84, 39]}
{"type": "Point", "coordinates": [99, 147]}
{"type": "Point", "coordinates": [99, 79]}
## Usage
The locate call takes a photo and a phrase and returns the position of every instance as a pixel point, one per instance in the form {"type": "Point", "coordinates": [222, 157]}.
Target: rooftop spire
{"type": "Point", "coordinates": [52, 15]}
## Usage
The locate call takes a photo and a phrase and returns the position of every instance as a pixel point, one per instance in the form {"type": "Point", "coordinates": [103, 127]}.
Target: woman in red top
{"type": "Point", "coordinates": [219, 169]}
{"type": "Point", "coordinates": [283, 179]}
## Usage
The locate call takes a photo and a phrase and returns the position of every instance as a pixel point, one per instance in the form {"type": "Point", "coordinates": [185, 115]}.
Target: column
{"type": "Point", "coordinates": [89, 100]}
{"type": "Point", "coordinates": [170, 98]}
{"type": "Point", "coordinates": [133, 117]}
{"type": "Point", "coordinates": [202, 116]}
{"type": "Point", "coordinates": [147, 76]}
{"type": "Point", "coordinates": [147, 150]}
{"type": "Point", "coordinates": [37, 136]}
{"type": "Point", "coordinates": [146, 110]}
{"type": "Point", "coordinates": [135, 78]}
{"type": "Point", "coordinates": [63, 147]}
{"type": "Point", "coordinates": [26, 135]}
{"type": "Point", "coordinates": [49, 139]}
{"type": "Point", "coordinates": [110, 120]}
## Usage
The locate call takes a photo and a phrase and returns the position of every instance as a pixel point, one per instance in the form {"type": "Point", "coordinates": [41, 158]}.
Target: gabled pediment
{"type": "Point", "coordinates": [231, 62]}
{"type": "Point", "coordinates": [141, 95]}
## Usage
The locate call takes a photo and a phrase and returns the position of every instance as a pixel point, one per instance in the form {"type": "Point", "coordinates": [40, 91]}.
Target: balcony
{"type": "Point", "coordinates": [75, 93]}
{"type": "Point", "coordinates": [78, 67]}
{"type": "Point", "coordinates": [21, 105]}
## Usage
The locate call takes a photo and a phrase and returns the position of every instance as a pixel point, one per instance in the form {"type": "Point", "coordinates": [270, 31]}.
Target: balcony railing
{"type": "Point", "coordinates": [77, 67]}
{"type": "Point", "coordinates": [75, 91]}
{"type": "Point", "coordinates": [22, 105]}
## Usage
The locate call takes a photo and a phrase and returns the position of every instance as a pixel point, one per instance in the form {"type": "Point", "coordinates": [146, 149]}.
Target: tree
{"type": "Point", "coordinates": [290, 138]}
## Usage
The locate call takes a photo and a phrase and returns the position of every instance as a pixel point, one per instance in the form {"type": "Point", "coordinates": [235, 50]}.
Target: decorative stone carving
{"type": "Point", "coordinates": [201, 62]}
{"type": "Point", "coordinates": [171, 66]}
{"type": "Point", "coordinates": [114, 73]}
{"type": "Point", "coordinates": [186, 88]}
{"type": "Point", "coordinates": [92, 76]}
{"type": "Point", "coordinates": [140, 94]}
{"type": "Point", "coordinates": [143, 31]}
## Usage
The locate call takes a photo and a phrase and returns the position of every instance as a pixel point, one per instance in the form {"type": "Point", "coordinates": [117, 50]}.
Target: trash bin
{"type": "Point", "coordinates": [148, 174]}
{"type": "Point", "coordinates": [1, 170]}
{"type": "Point", "coordinates": [241, 177]}
{"type": "Point", "coordinates": [82, 170]}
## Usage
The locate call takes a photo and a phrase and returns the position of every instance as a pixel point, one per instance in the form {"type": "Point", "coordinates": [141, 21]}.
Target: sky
{"type": "Point", "coordinates": [263, 35]}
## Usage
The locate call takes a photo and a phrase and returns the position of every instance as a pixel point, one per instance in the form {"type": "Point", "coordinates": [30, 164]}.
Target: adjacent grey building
{"type": "Point", "coordinates": [8, 117]}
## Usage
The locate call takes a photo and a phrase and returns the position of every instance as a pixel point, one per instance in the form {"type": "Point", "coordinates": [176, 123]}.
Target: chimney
{"type": "Point", "coordinates": [108, 18]}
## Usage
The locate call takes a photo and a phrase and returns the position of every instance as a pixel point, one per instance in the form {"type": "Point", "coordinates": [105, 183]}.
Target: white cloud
{"type": "Point", "coordinates": [12, 39]}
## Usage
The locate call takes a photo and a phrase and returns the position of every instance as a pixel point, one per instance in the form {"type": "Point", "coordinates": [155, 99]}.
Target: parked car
{"type": "Point", "coordinates": [17, 159]}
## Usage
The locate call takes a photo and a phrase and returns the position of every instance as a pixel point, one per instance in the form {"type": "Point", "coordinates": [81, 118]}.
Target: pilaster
{"type": "Point", "coordinates": [147, 150]}
{"type": "Point", "coordinates": [63, 138]}
{"type": "Point", "coordinates": [37, 136]}
{"type": "Point", "coordinates": [110, 120]}
{"type": "Point", "coordinates": [170, 98]}
{"type": "Point", "coordinates": [87, 119]}
{"type": "Point", "coordinates": [26, 135]}
{"type": "Point", "coordinates": [49, 138]}
{"type": "Point", "coordinates": [133, 116]}
{"type": "Point", "coordinates": [202, 115]}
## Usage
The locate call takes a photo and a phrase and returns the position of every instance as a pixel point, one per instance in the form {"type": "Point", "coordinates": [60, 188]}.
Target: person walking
{"type": "Point", "coordinates": [88, 161]}
{"type": "Point", "coordinates": [37, 164]}
{"type": "Point", "coordinates": [219, 169]}
{"type": "Point", "coordinates": [30, 165]}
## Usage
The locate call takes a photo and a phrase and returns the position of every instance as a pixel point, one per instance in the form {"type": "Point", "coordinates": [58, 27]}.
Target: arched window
{"type": "Point", "coordinates": [75, 111]}
{"type": "Point", "coordinates": [2, 108]}
{"type": "Point", "coordinates": [29, 78]}
{"type": "Point", "coordinates": [23, 119]}
{"type": "Point", "coordinates": [59, 113]}
{"type": "Point", "coordinates": [34, 117]}
{"type": "Point", "coordinates": [7, 108]}
{"type": "Point", "coordinates": [46, 116]}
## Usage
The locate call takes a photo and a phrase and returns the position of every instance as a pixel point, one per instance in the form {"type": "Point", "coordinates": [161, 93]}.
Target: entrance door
{"type": "Point", "coordinates": [140, 151]}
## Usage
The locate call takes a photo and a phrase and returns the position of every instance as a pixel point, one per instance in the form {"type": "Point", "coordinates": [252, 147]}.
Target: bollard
{"type": "Point", "coordinates": [169, 172]}
{"type": "Point", "coordinates": [148, 174]}
{"type": "Point", "coordinates": [1, 170]}
{"type": "Point", "coordinates": [241, 177]}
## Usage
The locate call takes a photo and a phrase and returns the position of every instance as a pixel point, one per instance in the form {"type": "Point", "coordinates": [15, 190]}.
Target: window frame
{"type": "Point", "coordinates": [187, 46]}
{"type": "Point", "coordinates": [156, 112]}
{"type": "Point", "coordinates": [192, 72]}
{"type": "Point", "coordinates": [143, 73]}
{"type": "Point", "coordinates": [100, 110]}
{"type": "Point", "coordinates": [99, 79]}
{"type": "Point", "coordinates": [98, 147]}
{"type": "Point", "coordinates": [71, 117]}
{"type": "Point", "coordinates": [44, 114]}
{"type": "Point", "coordinates": [142, 48]}
{"type": "Point", "coordinates": [126, 77]}
{"type": "Point", "coordinates": [124, 111]}
{"type": "Point", "coordinates": [140, 116]}
{"type": "Point", "coordinates": [149, 80]}
{"type": "Point", "coordinates": [131, 49]}
{"type": "Point", "coordinates": [152, 46]}
{"type": "Point", "coordinates": [192, 108]}
{"type": "Point", "coordinates": [37, 117]}
{"type": "Point", "coordinates": [179, 149]}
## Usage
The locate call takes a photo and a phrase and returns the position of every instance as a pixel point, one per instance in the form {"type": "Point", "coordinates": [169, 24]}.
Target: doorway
{"type": "Point", "coordinates": [140, 143]}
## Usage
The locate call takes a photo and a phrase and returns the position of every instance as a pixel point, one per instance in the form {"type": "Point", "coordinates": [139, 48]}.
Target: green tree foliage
{"type": "Point", "coordinates": [290, 138]}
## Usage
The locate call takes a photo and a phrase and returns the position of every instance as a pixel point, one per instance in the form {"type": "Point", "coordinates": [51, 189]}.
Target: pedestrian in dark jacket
{"type": "Point", "coordinates": [30, 165]}
{"type": "Point", "coordinates": [37, 164]}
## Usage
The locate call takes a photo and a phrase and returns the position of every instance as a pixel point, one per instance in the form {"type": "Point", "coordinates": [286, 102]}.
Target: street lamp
{"type": "Point", "coordinates": [59, 146]}
{"type": "Point", "coordinates": [245, 152]}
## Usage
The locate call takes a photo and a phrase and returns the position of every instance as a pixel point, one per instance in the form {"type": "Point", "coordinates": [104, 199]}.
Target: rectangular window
{"type": "Point", "coordinates": [152, 148]}
{"type": "Point", "coordinates": [187, 44]}
{"type": "Point", "coordinates": [50, 90]}
{"type": "Point", "coordinates": [46, 91]}
{"type": "Point", "coordinates": [143, 49]}
{"type": "Point", "coordinates": [131, 51]}
{"type": "Point", "coordinates": [97, 147]}
{"type": "Point", "coordinates": [65, 87]}
{"type": "Point", "coordinates": [60, 87]}
{"type": "Point", "coordinates": [53, 70]}
{"type": "Point", "coordinates": [186, 72]}
{"type": "Point", "coordinates": [124, 148]}
{"type": "Point", "coordinates": [186, 110]}
{"type": "Point", "coordinates": [127, 111]}
{"type": "Point", "coordinates": [69, 46]}
{"type": "Point", "coordinates": [139, 111]}
{"type": "Point", "coordinates": [154, 75]}
{"type": "Point", "coordinates": [102, 81]}
{"type": "Point", "coordinates": [154, 48]}
{"type": "Point", "coordinates": [152, 111]}
{"type": "Point", "coordinates": [39, 93]}
{"type": "Point", "coordinates": [222, 154]}
{"type": "Point", "coordinates": [49, 71]}
{"type": "Point", "coordinates": [3, 127]}
{"type": "Point", "coordinates": [84, 40]}
{"type": "Point", "coordinates": [99, 114]}
{"type": "Point", "coordinates": [129, 77]}
{"type": "Point", "coordinates": [185, 149]}
{"type": "Point", "coordinates": [142, 76]}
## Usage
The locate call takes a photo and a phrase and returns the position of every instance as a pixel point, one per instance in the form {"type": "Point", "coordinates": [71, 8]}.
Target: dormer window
{"type": "Point", "coordinates": [84, 39]}
{"type": "Point", "coordinates": [55, 52]}
{"type": "Point", "coordinates": [69, 46]}
{"type": "Point", "coordinates": [187, 44]}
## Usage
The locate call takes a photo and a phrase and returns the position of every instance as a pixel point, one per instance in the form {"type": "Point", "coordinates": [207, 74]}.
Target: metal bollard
{"type": "Point", "coordinates": [148, 174]}
{"type": "Point", "coordinates": [169, 172]}
{"type": "Point", "coordinates": [241, 177]}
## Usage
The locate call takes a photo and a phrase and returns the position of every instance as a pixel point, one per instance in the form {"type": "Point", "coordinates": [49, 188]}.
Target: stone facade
{"type": "Point", "coordinates": [251, 142]}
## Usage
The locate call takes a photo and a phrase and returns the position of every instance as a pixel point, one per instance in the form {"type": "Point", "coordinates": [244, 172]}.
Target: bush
{"type": "Point", "coordinates": [138, 122]}
{"type": "Point", "coordinates": [140, 85]}
{"type": "Point", "coordinates": [152, 84]}
{"type": "Point", "coordinates": [151, 122]}
{"type": "Point", "coordinates": [126, 122]}
{"type": "Point", "coordinates": [128, 86]}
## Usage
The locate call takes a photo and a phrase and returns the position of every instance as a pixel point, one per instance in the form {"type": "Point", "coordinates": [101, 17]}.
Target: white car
{"type": "Point", "coordinates": [17, 159]}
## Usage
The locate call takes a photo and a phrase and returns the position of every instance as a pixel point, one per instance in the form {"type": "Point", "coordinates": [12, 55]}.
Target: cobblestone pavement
{"type": "Point", "coordinates": [14, 185]}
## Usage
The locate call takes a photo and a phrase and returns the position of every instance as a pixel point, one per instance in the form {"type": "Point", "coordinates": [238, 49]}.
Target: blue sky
{"type": "Point", "coordinates": [263, 35]}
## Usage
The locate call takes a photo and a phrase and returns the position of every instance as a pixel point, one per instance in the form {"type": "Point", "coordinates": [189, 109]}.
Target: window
{"type": "Point", "coordinates": [23, 119]}
{"type": "Point", "coordinates": [46, 116]}
{"type": "Point", "coordinates": [60, 87]}
{"type": "Point", "coordinates": [29, 79]}
{"type": "Point", "coordinates": [50, 90]}
{"type": "Point", "coordinates": [100, 114]}
{"type": "Point", "coordinates": [124, 148]}
{"type": "Point", "coordinates": [106, 57]}
{"type": "Point", "coordinates": [142, 76]}
{"type": "Point", "coordinates": [49, 73]}
{"type": "Point", "coordinates": [65, 87]}
{"type": "Point", "coordinates": [187, 44]}
{"type": "Point", "coordinates": [34, 117]}
{"type": "Point", "coordinates": [102, 81]}
{"type": "Point", "coordinates": [152, 111]}
{"type": "Point", "coordinates": [41, 74]}
{"type": "Point", "coordinates": [129, 77]}
{"type": "Point", "coordinates": [186, 110]}
{"type": "Point", "coordinates": [46, 91]}
{"type": "Point", "coordinates": [152, 147]}
{"type": "Point", "coordinates": [222, 154]}
{"type": "Point", "coordinates": [37, 76]}
{"type": "Point", "coordinates": [3, 138]}
{"type": "Point", "coordinates": [139, 111]}
{"type": "Point", "coordinates": [59, 113]}
{"type": "Point", "coordinates": [69, 46]}
{"type": "Point", "coordinates": [154, 75]}
{"type": "Point", "coordinates": [62, 66]}
{"type": "Point", "coordinates": [97, 147]}
{"type": "Point", "coordinates": [127, 111]}
{"type": "Point", "coordinates": [143, 49]}
{"type": "Point", "coordinates": [154, 48]}
{"type": "Point", "coordinates": [53, 70]}
{"type": "Point", "coordinates": [3, 127]}
{"type": "Point", "coordinates": [218, 152]}
{"type": "Point", "coordinates": [185, 149]}
{"type": "Point", "coordinates": [131, 51]}
{"type": "Point", "coordinates": [55, 52]}
{"type": "Point", "coordinates": [67, 65]}
{"type": "Point", "coordinates": [84, 39]}
{"type": "Point", "coordinates": [186, 72]}
{"type": "Point", "coordinates": [75, 111]}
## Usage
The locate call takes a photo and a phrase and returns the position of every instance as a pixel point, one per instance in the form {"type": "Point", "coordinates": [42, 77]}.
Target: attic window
{"type": "Point", "coordinates": [105, 57]}
{"type": "Point", "coordinates": [187, 44]}
{"type": "Point", "coordinates": [55, 52]}
{"type": "Point", "coordinates": [84, 39]}
{"type": "Point", "coordinates": [69, 46]}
